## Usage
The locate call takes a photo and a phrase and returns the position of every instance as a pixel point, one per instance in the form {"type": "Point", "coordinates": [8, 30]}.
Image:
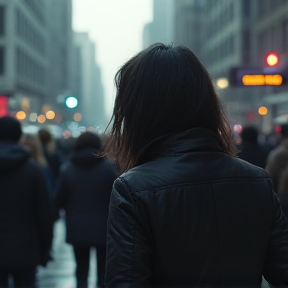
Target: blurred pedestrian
{"type": "Point", "coordinates": [25, 213]}
{"type": "Point", "coordinates": [187, 212]}
{"type": "Point", "coordinates": [83, 192]}
{"type": "Point", "coordinates": [34, 147]}
{"type": "Point", "coordinates": [51, 152]}
{"type": "Point", "coordinates": [277, 160]}
{"type": "Point", "coordinates": [250, 148]}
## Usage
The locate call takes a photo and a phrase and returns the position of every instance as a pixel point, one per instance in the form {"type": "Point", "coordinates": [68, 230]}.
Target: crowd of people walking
{"type": "Point", "coordinates": [169, 201]}
{"type": "Point", "coordinates": [37, 182]}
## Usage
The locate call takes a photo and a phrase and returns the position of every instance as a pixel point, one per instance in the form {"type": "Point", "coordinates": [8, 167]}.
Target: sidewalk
{"type": "Point", "coordinates": [59, 273]}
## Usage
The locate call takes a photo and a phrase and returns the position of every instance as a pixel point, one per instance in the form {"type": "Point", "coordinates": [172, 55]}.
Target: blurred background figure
{"type": "Point", "coordinates": [83, 191]}
{"type": "Point", "coordinates": [51, 152]}
{"type": "Point", "coordinates": [283, 190]}
{"type": "Point", "coordinates": [250, 148]}
{"type": "Point", "coordinates": [25, 212]}
{"type": "Point", "coordinates": [34, 147]}
{"type": "Point", "coordinates": [277, 160]}
{"type": "Point", "coordinates": [65, 147]}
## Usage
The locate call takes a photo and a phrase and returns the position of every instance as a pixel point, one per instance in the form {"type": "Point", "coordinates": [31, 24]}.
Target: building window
{"type": "Point", "coordinates": [285, 36]}
{"type": "Point", "coordinates": [2, 59]}
{"type": "Point", "coordinates": [246, 47]}
{"type": "Point", "coordinates": [246, 7]}
{"type": "Point", "coordinates": [2, 20]}
{"type": "Point", "coordinates": [231, 12]}
{"type": "Point", "coordinates": [260, 9]}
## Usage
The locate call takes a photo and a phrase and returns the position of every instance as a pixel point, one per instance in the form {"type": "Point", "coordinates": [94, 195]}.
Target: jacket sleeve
{"type": "Point", "coordinates": [44, 217]}
{"type": "Point", "coordinates": [276, 264]}
{"type": "Point", "coordinates": [128, 262]}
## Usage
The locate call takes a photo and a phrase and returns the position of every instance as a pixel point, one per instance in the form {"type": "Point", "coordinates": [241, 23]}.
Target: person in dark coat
{"type": "Point", "coordinates": [186, 212]}
{"type": "Point", "coordinates": [51, 152]}
{"type": "Point", "coordinates": [83, 191]}
{"type": "Point", "coordinates": [250, 148]}
{"type": "Point", "coordinates": [277, 160]}
{"type": "Point", "coordinates": [25, 210]}
{"type": "Point", "coordinates": [277, 168]}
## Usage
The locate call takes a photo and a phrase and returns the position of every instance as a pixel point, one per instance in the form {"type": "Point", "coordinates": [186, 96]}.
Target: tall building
{"type": "Point", "coordinates": [23, 38]}
{"type": "Point", "coordinates": [226, 34]}
{"type": "Point", "coordinates": [35, 43]}
{"type": "Point", "coordinates": [227, 44]}
{"type": "Point", "coordinates": [270, 34]}
{"type": "Point", "coordinates": [189, 24]}
{"type": "Point", "coordinates": [161, 29]}
{"type": "Point", "coordinates": [59, 49]}
{"type": "Point", "coordinates": [88, 82]}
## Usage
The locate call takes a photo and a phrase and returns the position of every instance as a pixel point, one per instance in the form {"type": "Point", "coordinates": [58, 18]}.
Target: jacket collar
{"type": "Point", "coordinates": [192, 140]}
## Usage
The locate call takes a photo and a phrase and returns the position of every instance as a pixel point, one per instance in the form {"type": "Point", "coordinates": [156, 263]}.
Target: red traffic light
{"type": "Point", "coordinates": [272, 59]}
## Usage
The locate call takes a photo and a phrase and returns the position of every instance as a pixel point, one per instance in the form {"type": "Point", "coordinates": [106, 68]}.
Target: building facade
{"type": "Point", "coordinates": [34, 53]}
{"type": "Point", "coordinates": [227, 44]}
{"type": "Point", "coordinates": [238, 34]}
{"type": "Point", "coordinates": [270, 34]}
{"type": "Point", "coordinates": [59, 49]}
{"type": "Point", "coordinates": [88, 82]}
{"type": "Point", "coordinates": [189, 24]}
{"type": "Point", "coordinates": [161, 29]}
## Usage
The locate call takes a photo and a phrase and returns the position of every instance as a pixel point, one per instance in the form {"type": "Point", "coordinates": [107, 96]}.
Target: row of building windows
{"type": "Point", "coordinates": [225, 17]}
{"type": "Point", "coordinates": [224, 49]}
{"type": "Point", "coordinates": [27, 31]}
{"type": "Point", "coordinates": [2, 60]}
{"type": "Point", "coordinates": [275, 38]}
{"type": "Point", "coordinates": [28, 68]}
{"type": "Point", "coordinates": [264, 7]}
{"type": "Point", "coordinates": [35, 8]}
{"type": "Point", "coordinates": [2, 20]}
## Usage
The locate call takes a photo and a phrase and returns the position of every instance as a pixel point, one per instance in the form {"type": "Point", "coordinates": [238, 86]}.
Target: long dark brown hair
{"type": "Point", "coordinates": [164, 89]}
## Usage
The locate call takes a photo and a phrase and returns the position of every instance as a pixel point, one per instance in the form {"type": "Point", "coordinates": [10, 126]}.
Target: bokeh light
{"type": "Point", "coordinates": [20, 115]}
{"type": "Point", "coordinates": [50, 115]}
{"type": "Point", "coordinates": [262, 110]}
{"type": "Point", "coordinates": [77, 117]}
{"type": "Point", "coordinates": [41, 118]}
{"type": "Point", "coordinates": [33, 117]}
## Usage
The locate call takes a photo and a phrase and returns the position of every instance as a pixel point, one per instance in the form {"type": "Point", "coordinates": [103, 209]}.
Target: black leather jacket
{"type": "Point", "coordinates": [192, 216]}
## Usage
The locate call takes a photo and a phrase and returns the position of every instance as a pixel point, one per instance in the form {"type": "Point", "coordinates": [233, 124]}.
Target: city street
{"type": "Point", "coordinates": [60, 271]}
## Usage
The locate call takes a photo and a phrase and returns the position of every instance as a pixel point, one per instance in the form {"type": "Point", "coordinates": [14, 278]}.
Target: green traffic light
{"type": "Point", "coordinates": [71, 102]}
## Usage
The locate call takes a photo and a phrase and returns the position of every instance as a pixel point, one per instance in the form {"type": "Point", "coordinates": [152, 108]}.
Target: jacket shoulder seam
{"type": "Point", "coordinates": [212, 182]}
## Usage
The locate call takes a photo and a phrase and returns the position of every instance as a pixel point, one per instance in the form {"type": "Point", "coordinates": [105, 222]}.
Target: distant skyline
{"type": "Point", "coordinates": [116, 27]}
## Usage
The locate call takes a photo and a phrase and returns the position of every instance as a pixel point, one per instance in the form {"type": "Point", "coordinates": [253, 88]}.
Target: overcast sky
{"type": "Point", "coordinates": [116, 27]}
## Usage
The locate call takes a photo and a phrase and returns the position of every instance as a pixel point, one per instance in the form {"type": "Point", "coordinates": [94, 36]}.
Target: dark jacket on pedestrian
{"type": "Point", "coordinates": [83, 191]}
{"type": "Point", "coordinates": [277, 162]}
{"type": "Point", "coordinates": [234, 227]}
{"type": "Point", "coordinates": [250, 149]}
{"type": "Point", "coordinates": [25, 212]}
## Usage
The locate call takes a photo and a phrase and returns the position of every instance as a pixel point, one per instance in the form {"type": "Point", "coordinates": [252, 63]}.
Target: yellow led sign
{"type": "Point", "coordinates": [262, 80]}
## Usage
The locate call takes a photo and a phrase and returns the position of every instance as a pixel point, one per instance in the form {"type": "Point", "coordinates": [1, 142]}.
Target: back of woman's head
{"type": "Point", "coordinates": [163, 90]}
{"type": "Point", "coordinates": [87, 140]}
{"type": "Point", "coordinates": [34, 146]}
